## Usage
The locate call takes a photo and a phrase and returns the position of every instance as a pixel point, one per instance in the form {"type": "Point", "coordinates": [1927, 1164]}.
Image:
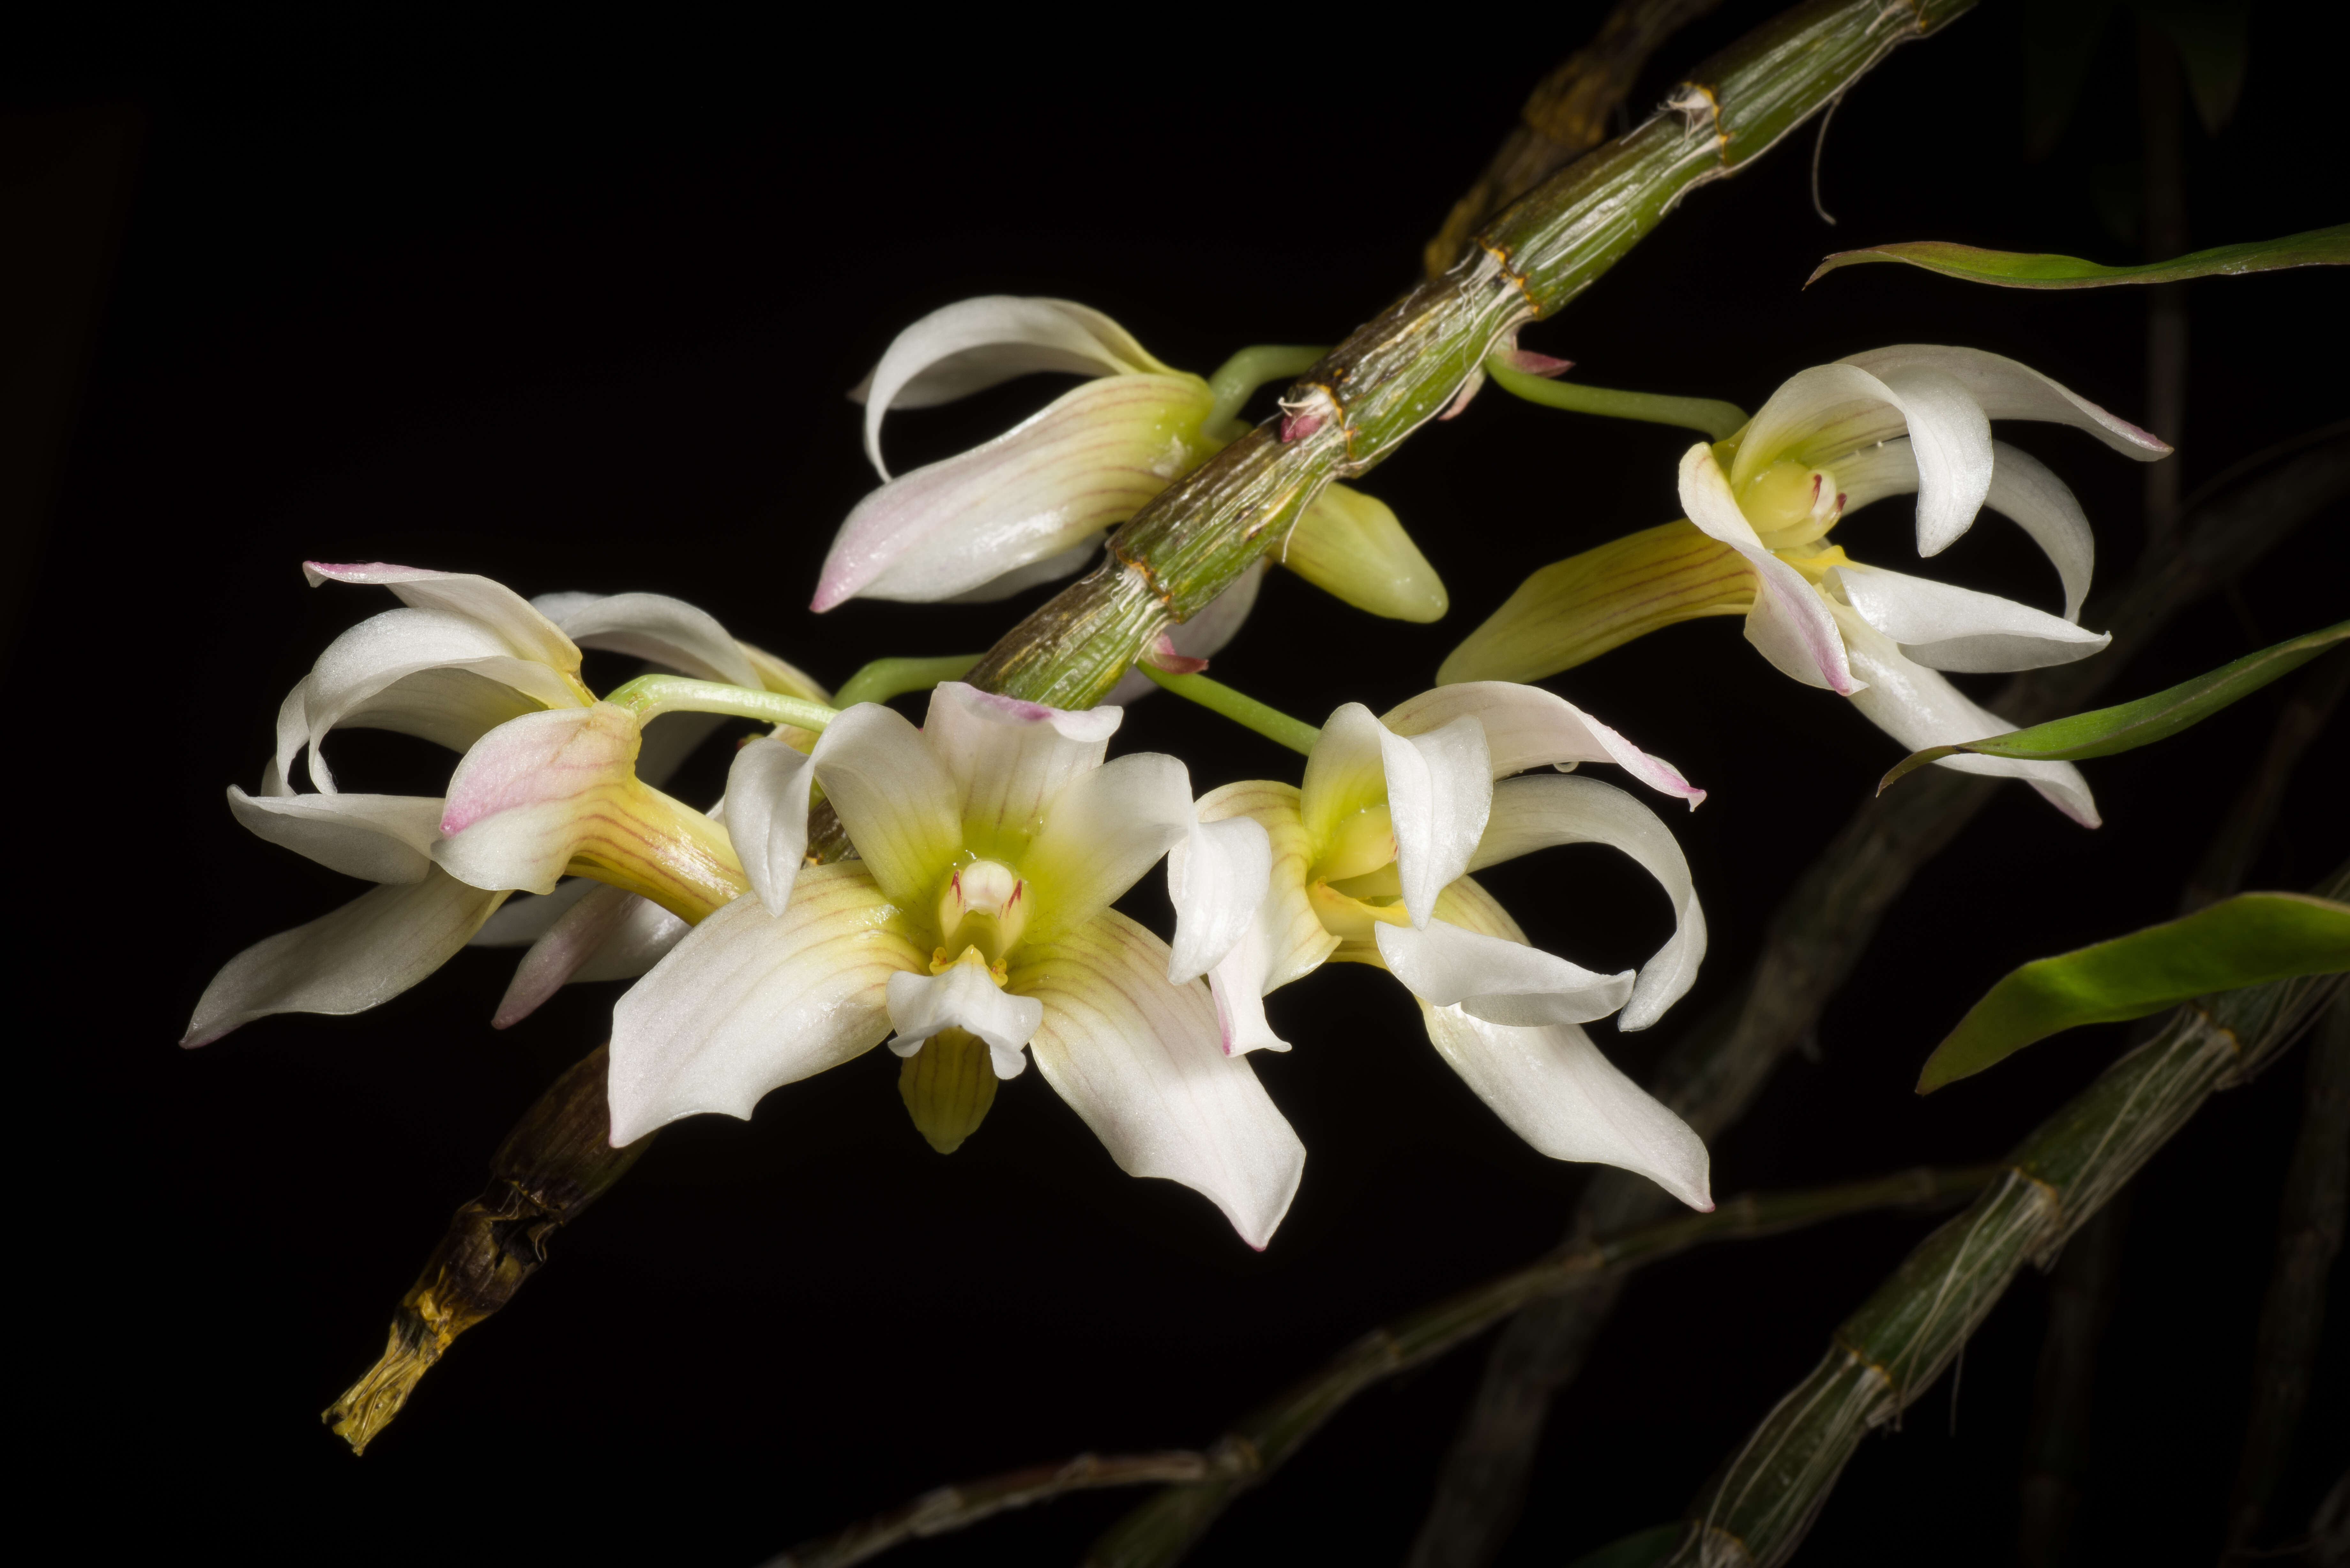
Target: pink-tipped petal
{"type": "Point", "coordinates": [2006, 390]}
{"type": "Point", "coordinates": [1008, 757]}
{"type": "Point", "coordinates": [1943, 626]}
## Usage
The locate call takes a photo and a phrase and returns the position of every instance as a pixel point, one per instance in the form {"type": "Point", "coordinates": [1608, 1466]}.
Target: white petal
{"type": "Point", "coordinates": [1285, 940]}
{"type": "Point", "coordinates": [2005, 389]}
{"type": "Point", "coordinates": [747, 1002]}
{"type": "Point", "coordinates": [381, 838]}
{"type": "Point", "coordinates": [1051, 569]}
{"type": "Point", "coordinates": [965, 997]}
{"type": "Point", "coordinates": [448, 706]}
{"type": "Point", "coordinates": [1101, 833]}
{"type": "Point", "coordinates": [359, 957]}
{"type": "Point", "coordinates": [655, 627]}
{"type": "Point", "coordinates": [895, 797]}
{"type": "Point", "coordinates": [766, 816]}
{"type": "Point", "coordinates": [1498, 980]}
{"type": "Point", "coordinates": [1527, 727]}
{"type": "Point", "coordinates": [516, 801]}
{"type": "Point", "coordinates": [1216, 878]}
{"type": "Point", "coordinates": [1009, 757]}
{"type": "Point", "coordinates": [1439, 788]}
{"type": "Point", "coordinates": [1552, 1088]}
{"type": "Point", "coordinates": [1086, 463]}
{"type": "Point", "coordinates": [493, 606]}
{"type": "Point", "coordinates": [1821, 414]}
{"type": "Point", "coordinates": [1945, 627]}
{"type": "Point", "coordinates": [1345, 773]}
{"type": "Point", "coordinates": [2024, 489]}
{"type": "Point", "coordinates": [1788, 625]}
{"type": "Point", "coordinates": [1143, 1063]}
{"type": "Point", "coordinates": [358, 667]}
{"type": "Point", "coordinates": [1824, 412]}
{"type": "Point", "coordinates": [1532, 813]}
{"type": "Point", "coordinates": [1920, 709]}
{"type": "Point", "coordinates": [975, 344]}
{"type": "Point", "coordinates": [527, 916]}
{"type": "Point", "coordinates": [609, 933]}
{"type": "Point", "coordinates": [1950, 439]}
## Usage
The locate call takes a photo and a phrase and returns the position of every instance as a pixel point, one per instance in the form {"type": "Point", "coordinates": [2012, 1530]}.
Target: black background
{"type": "Point", "coordinates": [574, 304]}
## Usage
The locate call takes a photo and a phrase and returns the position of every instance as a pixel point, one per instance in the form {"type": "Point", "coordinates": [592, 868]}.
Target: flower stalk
{"type": "Point", "coordinates": [1239, 708]}
{"type": "Point", "coordinates": [1719, 420]}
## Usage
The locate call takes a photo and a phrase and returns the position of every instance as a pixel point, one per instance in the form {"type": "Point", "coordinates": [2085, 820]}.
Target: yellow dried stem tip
{"type": "Point", "coordinates": [948, 1085]}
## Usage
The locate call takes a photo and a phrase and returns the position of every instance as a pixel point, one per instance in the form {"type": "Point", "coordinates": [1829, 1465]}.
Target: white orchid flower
{"type": "Point", "coordinates": [1368, 863]}
{"type": "Point", "coordinates": [976, 925]}
{"type": "Point", "coordinates": [463, 657]}
{"type": "Point", "coordinates": [1033, 504]}
{"type": "Point", "coordinates": [1913, 418]}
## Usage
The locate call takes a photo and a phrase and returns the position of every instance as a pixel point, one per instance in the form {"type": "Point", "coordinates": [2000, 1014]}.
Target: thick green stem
{"type": "Point", "coordinates": [1214, 695]}
{"type": "Point", "coordinates": [1237, 378]}
{"type": "Point", "coordinates": [1718, 419]}
{"type": "Point", "coordinates": [649, 696]}
{"type": "Point", "coordinates": [1758, 1510]}
{"type": "Point", "coordinates": [886, 678]}
{"type": "Point", "coordinates": [1363, 399]}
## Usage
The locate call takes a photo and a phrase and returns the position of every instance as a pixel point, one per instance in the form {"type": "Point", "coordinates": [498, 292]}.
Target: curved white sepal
{"type": "Point", "coordinates": [1539, 812]}
{"type": "Point", "coordinates": [654, 628]}
{"type": "Point", "coordinates": [1946, 628]}
{"type": "Point", "coordinates": [1101, 833]}
{"type": "Point", "coordinates": [746, 1003]}
{"type": "Point", "coordinates": [2006, 390]}
{"type": "Point", "coordinates": [1440, 789]}
{"type": "Point", "coordinates": [359, 956]}
{"type": "Point", "coordinates": [527, 916]}
{"type": "Point", "coordinates": [1142, 1061]}
{"type": "Point", "coordinates": [1527, 727]}
{"type": "Point", "coordinates": [1919, 708]}
{"type": "Point", "coordinates": [607, 933]}
{"type": "Point", "coordinates": [1496, 980]}
{"type": "Point", "coordinates": [1788, 625]}
{"type": "Point", "coordinates": [378, 838]}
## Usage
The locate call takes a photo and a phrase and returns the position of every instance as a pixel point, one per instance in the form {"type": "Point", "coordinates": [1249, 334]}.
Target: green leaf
{"type": "Point", "coordinates": [1639, 1550]}
{"type": "Point", "coordinates": [2015, 269]}
{"type": "Point", "coordinates": [2103, 731]}
{"type": "Point", "coordinates": [2251, 939]}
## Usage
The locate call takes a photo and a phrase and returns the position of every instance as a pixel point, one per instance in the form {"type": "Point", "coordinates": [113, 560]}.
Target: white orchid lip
{"type": "Point", "coordinates": [983, 907]}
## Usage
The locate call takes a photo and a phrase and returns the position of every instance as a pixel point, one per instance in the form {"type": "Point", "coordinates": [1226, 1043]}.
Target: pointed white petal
{"type": "Point", "coordinates": [448, 706]}
{"type": "Point", "coordinates": [1101, 833]}
{"type": "Point", "coordinates": [381, 838]}
{"type": "Point", "coordinates": [1143, 1063]}
{"type": "Point", "coordinates": [1086, 463]}
{"type": "Point", "coordinates": [965, 997]}
{"type": "Point", "coordinates": [1537, 812]}
{"type": "Point", "coordinates": [1788, 625]}
{"type": "Point", "coordinates": [1950, 439]}
{"type": "Point", "coordinates": [1945, 627]}
{"type": "Point", "coordinates": [975, 344]}
{"type": "Point", "coordinates": [1217, 877]}
{"type": "Point", "coordinates": [894, 795]}
{"type": "Point", "coordinates": [516, 801]}
{"type": "Point", "coordinates": [493, 606]}
{"type": "Point", "coordinates": [1009, 757]}
{"type": "Point", "coordinates": [1439, 788]}
{"type": "Point", "coordinates": [1919, 707]}
{"type": "Point", "coordinates": [747, 1002]}
{"type": "Point", "coordinates": [609, 933]}
{"type": "Point", "coordinates": [1051, 569]}
{"type": "Point", "coordinates": [359, 957]}
{"type": "Point", "coordinates": [766, 816]}
{"type": "Point", "coordinates": [1822, 414]}
{"type": "Point", "coordinates": [1552, 1088]}
{"type": "Point", "coordinates": [655, 627]}
{"type": "Point", "coordinates": [1815, 414]}
{"type": "Point", "coordinates": [527, 916]}
{"type": "Point", "coordinates": [1496, 980]}
{"type": "Point", "coordinates": [1527, 727]}
{"type": "Point", "coordinates": [2005, 389]}
{"type": "Point", "coordinates": [2024, 489]}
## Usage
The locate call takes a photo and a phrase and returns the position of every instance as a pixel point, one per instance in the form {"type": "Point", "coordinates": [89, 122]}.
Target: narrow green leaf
{"type": "Point", "coordinates": [1639, 1550]}
{"type": "Point", "coordinates": [2016, 269]}
{"type": "Point", "coordinates": [2102, 732]}
{"type": "Point", "coordinates": [2251, 939]}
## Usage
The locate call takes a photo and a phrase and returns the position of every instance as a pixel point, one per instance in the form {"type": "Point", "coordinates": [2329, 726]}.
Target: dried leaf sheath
{"type": "Point", "coordinates": [556, 1161]}
{"type": "Point", "coordinates": [1885, 1355]}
